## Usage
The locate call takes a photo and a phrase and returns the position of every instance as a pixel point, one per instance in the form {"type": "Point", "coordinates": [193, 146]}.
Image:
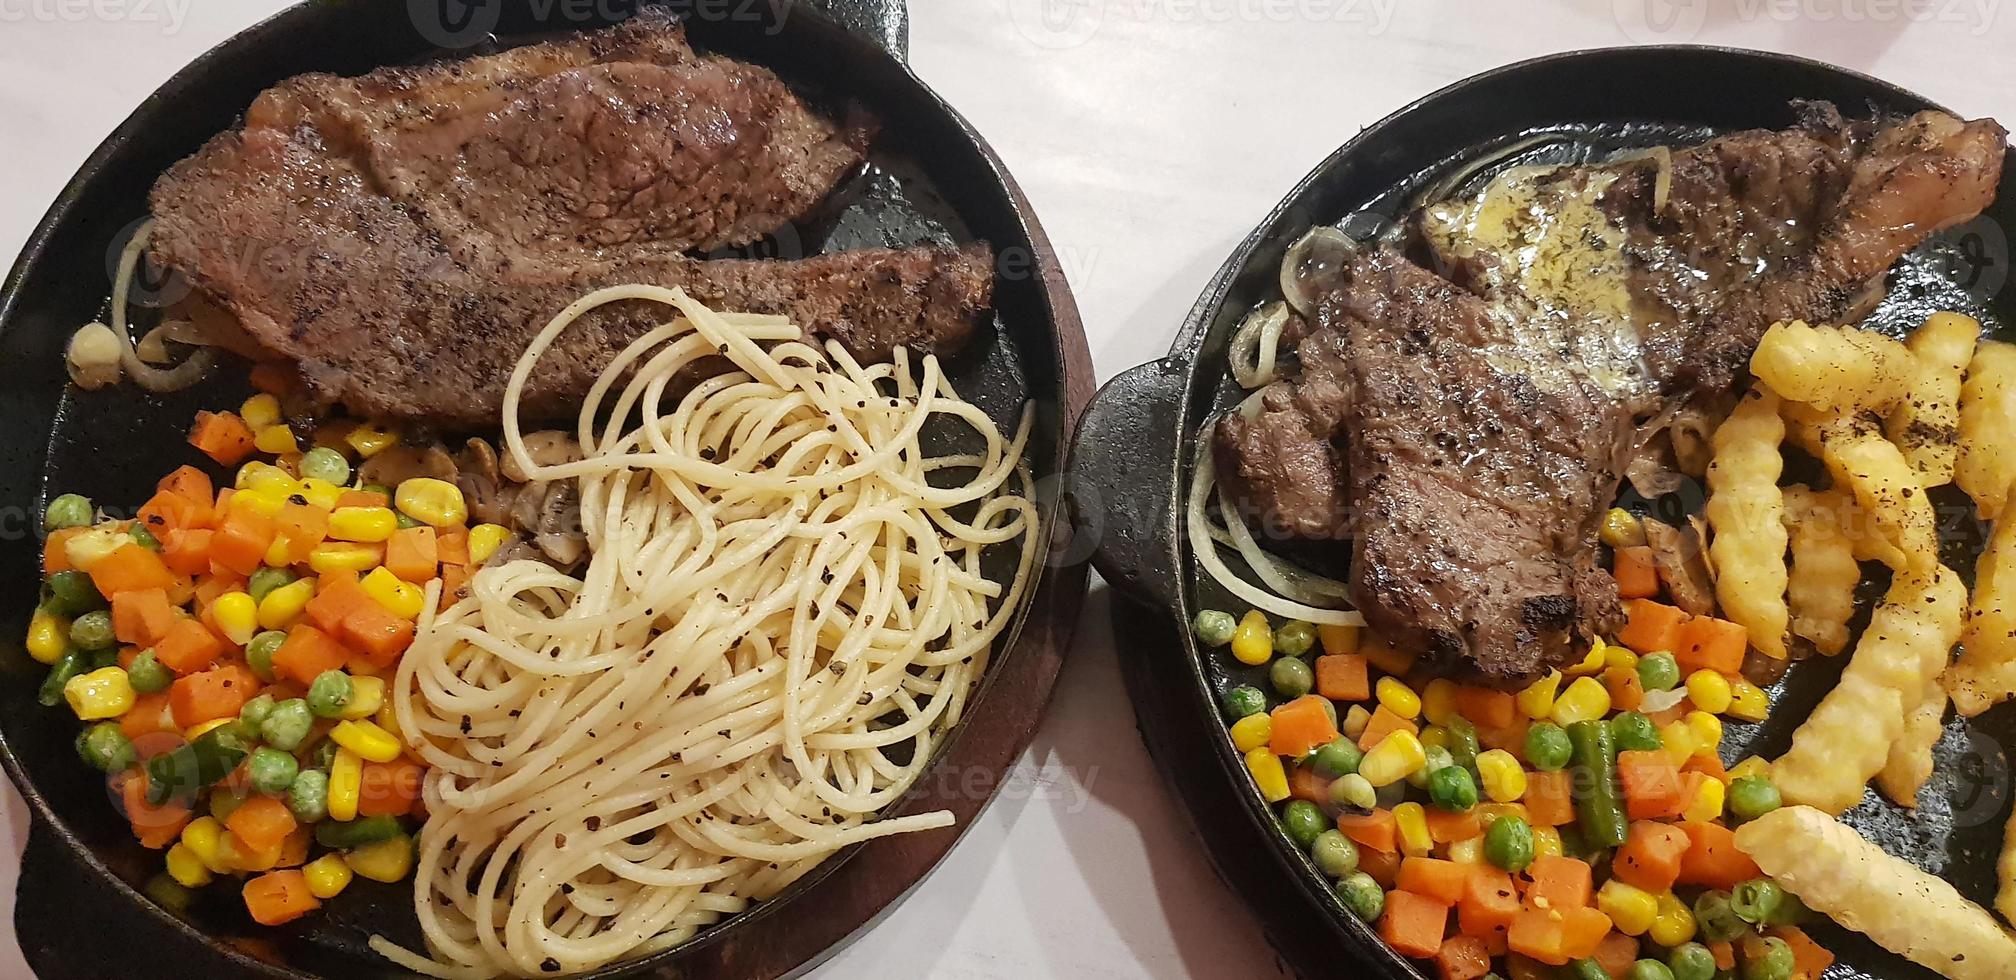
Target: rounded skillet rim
{"type": "Point", "coordinates": [1174, 588]}
{"type": "Point", "coordinates": [1063, 334]}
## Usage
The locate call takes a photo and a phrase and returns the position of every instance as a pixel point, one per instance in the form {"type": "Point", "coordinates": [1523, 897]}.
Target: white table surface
{"type": "Point", "coordinates": [1151, 135]}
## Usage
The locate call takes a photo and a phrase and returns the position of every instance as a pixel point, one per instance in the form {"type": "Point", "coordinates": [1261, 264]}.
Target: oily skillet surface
{"type": "Point", "coordinates": [1592, 102]}
{"type": "Point", "coordinates": [931, 178]}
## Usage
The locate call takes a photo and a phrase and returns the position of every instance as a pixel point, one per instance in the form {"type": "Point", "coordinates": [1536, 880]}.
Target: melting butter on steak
{"type": "Point", "coordinates": [1475, 426]}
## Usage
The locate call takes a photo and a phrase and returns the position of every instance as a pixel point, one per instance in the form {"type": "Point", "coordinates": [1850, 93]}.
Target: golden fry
{"type": "Point", "coordinates": [1820, 587]}
{"type": "Point", "coordinates": [1835, 871]}
{"type": "Point", "coordinates": [1870, 465]}
{"type": "Point", "coordinates": [1987, 461]}
{"type": "Point", "coordinates": [1986, 673]}
{"type": "Point", "coordinates": [1747, 514]}
{"type": "Point", "coordinates": [1833, 368]}
{"type": "Point", "coordinates": [1910, 761]}
{"type": "Point", "coordinates": [1927, 419]}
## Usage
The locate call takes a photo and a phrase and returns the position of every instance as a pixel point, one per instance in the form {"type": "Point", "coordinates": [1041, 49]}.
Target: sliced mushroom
{"type": "Point", "coordinates": [549, 513]}
{"type": "Point", "coordinates": [398, 464]}
{"type": "Point", "coordinates": [549, 447]}
{"type": "Point", "coordinates": [489, 496]}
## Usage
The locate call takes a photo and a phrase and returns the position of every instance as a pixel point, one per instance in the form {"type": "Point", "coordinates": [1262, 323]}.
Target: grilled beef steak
{"type": "Point", "coordinates": [402, 236]}
{"type": "Point", "coordinates": [1476, 427]}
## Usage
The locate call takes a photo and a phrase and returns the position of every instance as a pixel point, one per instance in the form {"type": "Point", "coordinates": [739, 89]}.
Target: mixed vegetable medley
{"type": "Point", "coordinates": [1581, 828]}
{"type": "Point", "coordinates": [229, 649]}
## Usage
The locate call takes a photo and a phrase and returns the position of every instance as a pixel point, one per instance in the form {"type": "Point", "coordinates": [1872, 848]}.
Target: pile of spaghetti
{"type": "Point", "coordinates": [784, 610]}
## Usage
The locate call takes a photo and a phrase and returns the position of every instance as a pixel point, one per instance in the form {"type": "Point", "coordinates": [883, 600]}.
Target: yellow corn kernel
{"type": "Point", "coordinates": [1336, 639]}
{"type": "Point", "coordinates": [484, 540]}
{"type": "Point", "coordinates": [367, 695]}
{"type": "Point", "coordinates": [1412, 822]}
{"type": "Point", "coordinates": [1707, 731]}
{"type": "Point", "coordinates": [385, 860]}
{"type": "Point", "coordinates": [346, 781]}
{"type": "Point", "coordinates": [84, 550]}
{"type": "Point", "coordinates": [366, 739]}
{"type": "Point", "coordinates": [327, 875]}
{"type": "Point", "coordinates": [1252, 732]}
{"type": "Point", "coordinates": [284, 605]}
{"type": "Point", "coordinates": [264, 501]}
{"type": "Point", "coordinates": [345, 556]}
{"type": "Point", "coordinates": [321, 493]}
{"type": "Point", "coordinates": [1631, 910]}
{"type": "Point", "coordinates": [203, 728]}
{"type": "Point", "coordinates": [186, 868]}
{"type": "Point", "coordinates": [1355, 720]}
{"type": "Point", "coordinates": [1748, 702]}
{"type": "Point", "coordinates": [258, 474]}
{"type": "Point", "coordinates": [1438, 700]}
{"type": "Point", "coordinates": [1395, 696]}
{"type": "Point", "coordinates": [1707, 804]}
{"type": "Point", "coordinates": [1503, 778]}
{"type": "Point", "coordinates": [369, 440]}
{"type": "Point", "coordinates": [1546, 842]}
{"type": "Point", "coordinates": [403, 599]}
{"type": "Point", "coordinates": [1585, 700]}
{"type": "Point", "coordinates": [233, 850]}
{"type": "Point", "coordinates": [1619, 657]}
{"type": "Point", "coordinates": [1591, 664]}
{"type": "Point", "coordinates": [1675, 922]}
{"type": "Point", "coordinates": [1709, 691]}
{"type": "Point", "coordinates": [1469, 850]}
{"type": "Point", "coordinates": [1621, 529]}
{"type": "Point", "coordinates": [237, 615]}
{"type": "Point", "coordinates": [366, 524]}
{"type": "Point", "coordinates": [260, 411]}
{"type": "Point", "coordinates": [1253, 641]}
{"type": "Point", "coordinates": [280, 553]}
{"type": "Point", "coordinates": [1678, 741]}
{"type": "Point", "coordinates": [204, 838]}
{"type": "Point", "coordinates": [277, 439]}
{"type": "Point", "coordinates": [387, 718]}
{"type": "Point", "coordinates": [1537, 700]}
{"type": "Point", "coordinates": [1751, 767]}
{"type": "Point", "coordinates": [431, 501]}
{"type": "Point", "coordinates": [1434, 737]}
{"type": "Point", "coordinates": [1268, 774]}
{"type": "Point", "coordinates": [100, 694]}
{"type": "Point", "coordinates": [48, 636]}
{"type": "Point", "coordinates": [1396, 757]}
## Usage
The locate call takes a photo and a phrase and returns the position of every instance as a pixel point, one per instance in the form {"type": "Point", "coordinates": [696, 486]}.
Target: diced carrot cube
{"type": "Point", "coordinates": [1485, 707]}
{"type": "Point", "coordinates": [413, 554]}
{"type": "Point", "coordinates": [1707, 643]}
{"type": "Point", "coordinates": [186, 551]}
{"type": "Point", "coordinates": [1651, 626]}
{"type": "Point", "coordinates": [377, 633]}
{"type": "Point", "coordinates": [142, 616]}
{"type": "Point", "coordinates": [1413, 924]}
{"type": "Point", "coordinates": [1384, 722]}
{"type": "Point", "coordinates": [189, 646]}
{"type": "Point", "coordinates": [211, 694]}
{"type": "Point", "coordinates": [307, 653]}
{"type": "Point", "coordinates": [131, 567]}
{"type": "Point", "coordinates": [241, 540]}
{"type": "Point", "coordinates": [222, 436]}
{"type": "Point", "coordinates": [1636, 573]}
{"type": "Point", "coordinates": [1343, 677]}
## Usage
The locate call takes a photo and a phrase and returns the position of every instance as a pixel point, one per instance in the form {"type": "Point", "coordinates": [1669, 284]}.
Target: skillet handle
{"type": "Point", "coordinates": [1125, 463]}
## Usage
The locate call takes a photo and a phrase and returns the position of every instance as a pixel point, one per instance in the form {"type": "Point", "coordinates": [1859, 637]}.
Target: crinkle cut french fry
{"type": "Point", "coordinates": [1833, 368]}
{"type": "Point", "coordinates": [1910, 763]}
{"type": "Point", "coordinates": [1848, 738]}
{"type": "Point", "coordinates": [1927, 419]}
{"type": "Point", "coordinates": [1747, 513]}
{"type": "Point", "coordinates": [1820, 584]}
{"type": "Point", "coordinates": [1862, 459]}
{"type": "Point", "coordinates": [1835, 871]}
{"type": "Point", "coordinates": [1987, 463]}
{"type": "Point", "coordinates": [1986, 673]}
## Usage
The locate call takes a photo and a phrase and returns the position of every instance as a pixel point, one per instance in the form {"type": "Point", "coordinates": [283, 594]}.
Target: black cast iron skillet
{"type": "Point", "coordinates": [1135, 446]}
{"type": "Point", "coordinates": [80, 911]}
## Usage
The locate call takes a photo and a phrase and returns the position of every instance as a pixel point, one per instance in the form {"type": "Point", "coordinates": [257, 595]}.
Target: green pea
{"type": "Point", "coordinates": [1508, 843]}
{"type": "Point", "coordinates": [1547, 747]}
{"type": "Point", "coordinates": [1587, 970]}
{"type": "Point", "coordinates": [259, 653]}
{"type": "Point", "coordinates": [287, 725]}
{"type": "Point", "coordinates": [323, 463]}
{"type": "Point", "coordinates": [143, 537]}
{"type": "Point", "coordinates": [1771, 961]}
{"type": "Point", "coordinates": [330, 694]}
{"type": "Point", "coordinates": [1214, 628]}
{"type": "Point", "coordinates": [265, 580]}
{"type": "Point", "coordinates": [1691, 961]}
{"type": "Point", "coordinates": [92, 631]}
{"type": "Point", "coordinates": [1333, 853]}
{"type": "Point", "coordinates": [169, 893]}
{"type": "Point", "coordinates": [1294, 638]}
{"type": "Point", "coordinates": [1717, 918]}
{"type": "Point", "coordinates": [255, 711]}
{"type": "Point", "coordinates": [1634, 732]}
{"type": "Point", "coordinates": [1649, 970]}
{"type": "Point", "coordinates": [66, 511]}
{"type": "Point", "coordinates": [1659, 671]}
{"type": "Point", "coordinates": [1244, 700]}
{"type": "Point", "coordinates": [105, 748]}
{"type": "Point", "coordinates": [308, 798]}
{"type": "Point", "coordinates": [1362, 895]}
{"type": "Point", "coordinates": [1292, 678]}
{"type": "Point", "coordinates": [1303, 820]}
{"type": "Point", "coordinates": [272, 770]}
{"type": "Point", "coordinates": [1756, 901]}
{"type": "Point", "coordinates": [1339, 758]}
{"type": "Point", "coordinates": [73, 593]}
{"type": "Point", "coordinates": [1463, 744]}
{"type": "Point", "coordinates": [225, 802]}
{"type": "Point", "coordinates": [1753, 796]}
{"type": "Point", "coordinates": [1452, 788]}
{"type": "Point", "coordinates": [1438, 759]}
{"type": "Point", "coordinates": [148, 674]}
